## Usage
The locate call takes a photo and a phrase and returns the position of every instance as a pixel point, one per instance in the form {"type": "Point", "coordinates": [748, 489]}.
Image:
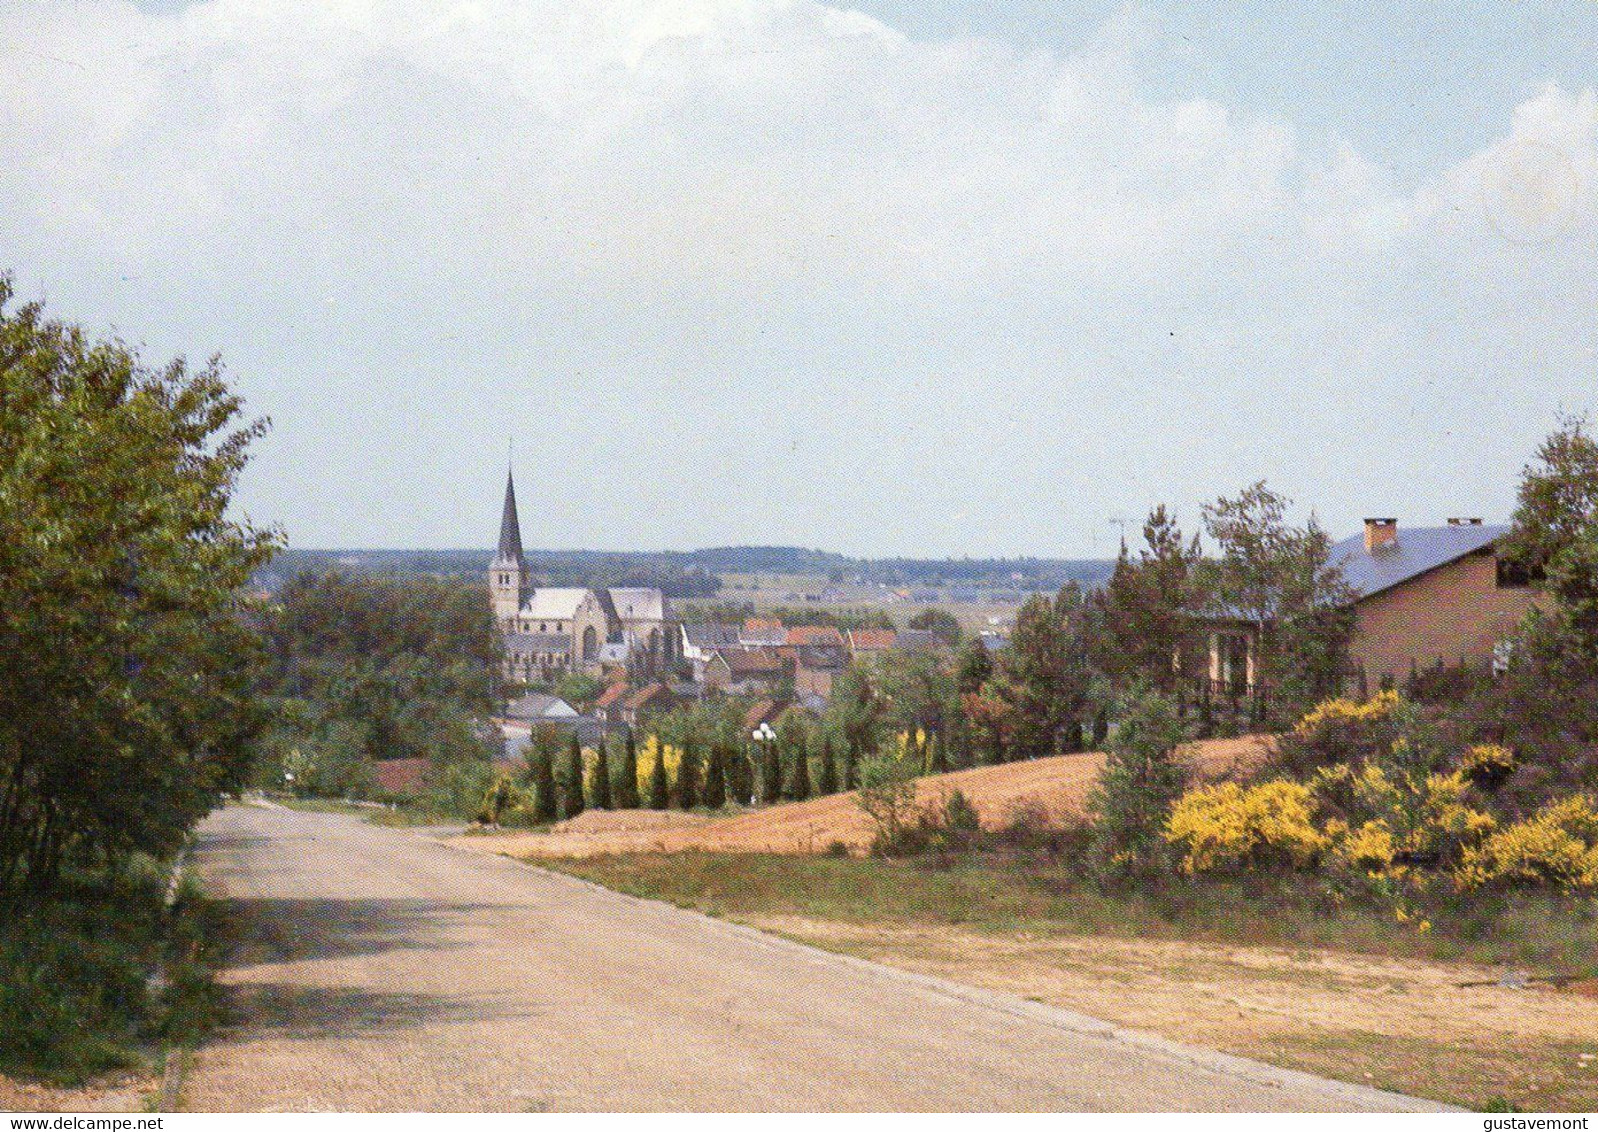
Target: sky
{"type": "Point", "coordinates": [903, 277]}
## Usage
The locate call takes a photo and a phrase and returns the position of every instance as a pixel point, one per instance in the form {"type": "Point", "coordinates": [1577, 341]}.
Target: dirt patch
{"type": "Point", "coordinates": [115, 1094]}
{"type": "Point", "coordinates": [1397, 1023]}
{"type": "Point", "coordinates": [1058, 786]}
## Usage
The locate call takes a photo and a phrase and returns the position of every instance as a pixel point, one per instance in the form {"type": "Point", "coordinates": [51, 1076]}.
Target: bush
{"type": "Point", "coordinates": [887, 794]}
{"type": "Point", "coordinates": [1141, 780]}
{"type": "Point", "coordinates": [1556, 846]}
{"type": "Point", "coordinates": [1229, 826]}
{"type": "Point", "coordinates": [1342, 731]}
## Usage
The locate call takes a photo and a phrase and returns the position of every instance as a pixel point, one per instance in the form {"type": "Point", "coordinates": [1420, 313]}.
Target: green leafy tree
{"type": "Point", "coordinates": [829, 767]}
{"type": "Point", "coordinates": [1143, 618]}
{"type": "Point", "coordinates": [1141, 780]}
{"type": "Point", "coordinates": [939, 621]}
{"type": "Point", "coordinates": [572, 799]}
{"type": "Point", "coordinates": [127, 665]}
{"type": "Point", "coordinates": [688, 775]}
{"type": "Point", "coordinates": [973, 667]}
{"type": "Point", "coordinates": [1280, 580]}
{"type": "Point", "coordinates": [715, 792]}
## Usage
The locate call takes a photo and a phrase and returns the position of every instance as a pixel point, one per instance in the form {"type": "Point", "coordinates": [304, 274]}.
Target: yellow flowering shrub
{"type": "Point", "coordinates": [1227, 825]}
{"type": "Point", "coordinates": [1345, 710]}
{"type": "Point", "coordinates": [1556, 845]}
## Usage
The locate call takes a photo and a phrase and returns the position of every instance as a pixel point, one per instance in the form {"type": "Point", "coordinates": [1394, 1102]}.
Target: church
{"type": "Point", "coordinates": [550, 630]}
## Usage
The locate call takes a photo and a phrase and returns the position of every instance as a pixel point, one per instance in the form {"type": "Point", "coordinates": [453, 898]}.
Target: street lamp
{"type": "Point", "coordinates": [761, 735]}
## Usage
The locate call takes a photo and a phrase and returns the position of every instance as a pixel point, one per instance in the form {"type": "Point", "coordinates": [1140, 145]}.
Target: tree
{"type": "Point", "coordinates": [829, 767]}
{"type": "Point", "coordinates": [799, 778]}
{"type": "Point", "coordinates": [770, 772]}
{"type": "Point", "coordinates": [659, 793]}
{"type": "Point", "coordinates": [1553, 538]}
{"type": "Point", "coordinates": [1280, 580]}
{"type": "Point", "coordinates": [1143, 617]}
{"type": "Point", "coordinates": [1047, 675]}
{"type": "Point", "coordinates": [854, 712]}
{"type": "Point", "coordinates": [888, 796]}
{"type": "Point", "coordinates": [599, 777]}
{"type": "Point", "coordinates": [688, 775]}
{"type": "Point", "coordinates": [572, 802]}
{"type": "Point", "coordinates": [939, 621]}
{"type": "Point", "coordinates": [627, 774]}
{"type": "Point", "coordinates": [541, 769]}
{"type": "Point", "coordinates": [1140, 782]}
{"type": "Point", "coordinates": [127, 665]}
{"type": "Point", "coordinates": [715, 779]}
{"type": "Point", "coordinates": [937, 756]}
{"type": "Point", "coordinates": [973, 667]}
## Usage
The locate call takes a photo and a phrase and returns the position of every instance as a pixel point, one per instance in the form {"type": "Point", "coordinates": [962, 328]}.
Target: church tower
{"type": "Point", "coordinates": [508, 573]}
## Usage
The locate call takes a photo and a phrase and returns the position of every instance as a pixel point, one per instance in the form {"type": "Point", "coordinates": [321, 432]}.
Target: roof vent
{"type": "Point", "coordinates": [1470, 521]}
{"type": "Point", "coordinates": [1380, 533]}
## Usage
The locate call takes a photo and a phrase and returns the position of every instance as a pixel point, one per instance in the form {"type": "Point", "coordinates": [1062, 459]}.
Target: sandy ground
{"type": "Point", "coordinates": [1327, 1011]}
{"type": "Point", "coordinates": [380, 970]}
{"type": "Point", "coordinates": [118, 1094]}
{"type": "Point", "coordinates": [1059, 785]}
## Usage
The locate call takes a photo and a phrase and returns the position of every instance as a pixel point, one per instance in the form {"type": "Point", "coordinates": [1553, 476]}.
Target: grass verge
{"type": "Point", "coordinates": [1275, 971]}
{"type": "Point", "coordinates": [102, 975]}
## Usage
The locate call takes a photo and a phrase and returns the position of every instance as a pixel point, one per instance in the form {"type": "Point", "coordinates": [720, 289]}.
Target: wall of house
{"type": "Point", "coordinates": [1456, 612]}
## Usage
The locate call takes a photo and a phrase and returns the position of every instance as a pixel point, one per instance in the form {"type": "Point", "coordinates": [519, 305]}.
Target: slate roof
{"type": "Point", "coordinates": [711, 635]}
{"type": "Point", "coordinates": [1416, 550]}
{"type": "Point", "coordinates": [639, 604]}
{"type": "Point", "coordinates": [537, 642]}
{"type": "Point", "coordinates": [510, 527]}
{"type": "Point", "coordinates": [540, 706]}
{"type": "Point", "coordinates": [553, 603]}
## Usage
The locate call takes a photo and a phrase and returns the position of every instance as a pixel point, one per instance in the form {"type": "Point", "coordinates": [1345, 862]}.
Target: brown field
{"type": "Point", "coordinates": [1058, 785]}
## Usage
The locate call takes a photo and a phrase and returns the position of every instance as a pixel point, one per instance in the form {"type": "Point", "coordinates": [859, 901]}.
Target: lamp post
{"type": "Point", "coordinates": [761, 735]}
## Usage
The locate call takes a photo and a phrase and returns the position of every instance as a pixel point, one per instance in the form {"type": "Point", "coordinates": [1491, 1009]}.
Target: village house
{"type": "Point", "coordinates": [1424, 596]}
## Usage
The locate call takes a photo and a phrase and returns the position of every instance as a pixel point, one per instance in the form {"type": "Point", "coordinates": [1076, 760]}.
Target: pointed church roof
{"type": "Point", "coordinates": [510, 526]}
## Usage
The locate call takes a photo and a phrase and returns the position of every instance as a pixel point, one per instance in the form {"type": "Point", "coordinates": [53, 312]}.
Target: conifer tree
{"type": "Point", "coordinates": [938, 759]}
{"type": "Point", "coordinates": [829, 767]}
{"type": "Point", "coordinates": [770, 772]}
{"type": "Point", "coordinates": [799, 779]}
{"type": "Point", "coordinates": [599, 778]}
{"type": "Point", "coordinates": [715, 779]}
{"type": "Point", "coordinates": [627, 775]}
{"type": "Point", "coordinates": [659, 796]}
{"type": "Point", "coordinates": [740, 775]}
{"type": "Point", "coordinates": [573, 786]}
{"type": "Point", "coordinates": [851, 767]}
{"type": "Point", "coordinates": [688, 776]}
{"type": "Point", "coordinates": [546, 799]}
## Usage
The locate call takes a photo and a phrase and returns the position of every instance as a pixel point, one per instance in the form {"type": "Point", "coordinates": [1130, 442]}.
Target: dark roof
{"type": "Point", "coordinates": [537, 642]}
{"type": "Point", "coordinates": [822, 656]}
{"type": "Point", "coordinates": [921, 640]}
{"type": "Point", "coordinates": [510, 527]}
{"type": "Point", "coordinates": [1416, 550]}
{"type": "Point", "coordinates": [711, 635]}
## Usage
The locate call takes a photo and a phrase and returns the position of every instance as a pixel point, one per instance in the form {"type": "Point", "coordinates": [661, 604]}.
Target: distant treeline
{"type": "Point", "coordinates": [697, 573]}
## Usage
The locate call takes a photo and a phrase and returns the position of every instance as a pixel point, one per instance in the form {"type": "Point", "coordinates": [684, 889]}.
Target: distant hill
{"type": "Point", "coordinates": [697, 573]}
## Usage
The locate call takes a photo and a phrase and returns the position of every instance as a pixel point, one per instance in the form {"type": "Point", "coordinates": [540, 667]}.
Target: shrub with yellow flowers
{"type": "Point", "coordinates": [1228, 826]}
{"type": "Point", "coordinates": [1487, 765]}
{"type": "Point", "coordinates": [1342, 730]}
{"type": "Point", "coordinates": [1557, 845]}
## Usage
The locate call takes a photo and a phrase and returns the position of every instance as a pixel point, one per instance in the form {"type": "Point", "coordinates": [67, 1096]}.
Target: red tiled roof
{"type": "Point", "coordinates": [814, 635]}
{"type": "Point", "coordinates": [761, 624]}
{"type": "Point", "coordinates": [872, 640]}
{"type": "Point", "coordinates": [644, 696]}
{"type": "Point", "coordinates": [401, 776]}
{"type": "Point", "coordinates": [611, 694]}
{"type": "Point", "coordinates": [761, 711]}
{"type": "Point", "coordinates": [752, 662]}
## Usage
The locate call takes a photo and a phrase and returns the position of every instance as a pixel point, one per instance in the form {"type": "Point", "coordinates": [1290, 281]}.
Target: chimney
{"type": "Point", "coordinates": [1471, 521]}
{"type": "Point", "coordinates": [1380, 533]}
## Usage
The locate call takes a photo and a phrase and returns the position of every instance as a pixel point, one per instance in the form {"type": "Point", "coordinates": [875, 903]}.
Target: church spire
{"type": "Point", "coordinates": [510, 527]}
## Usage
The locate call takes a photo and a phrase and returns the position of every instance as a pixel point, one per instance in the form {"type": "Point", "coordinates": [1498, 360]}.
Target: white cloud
{"type": "Point", "coordinates": [772, 200]}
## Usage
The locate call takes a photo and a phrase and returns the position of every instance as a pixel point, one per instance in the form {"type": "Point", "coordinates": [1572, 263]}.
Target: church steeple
{"type": "Point", "coordinates": [507, 576]}
{"type": "Point", "coordinates": [510, 527]}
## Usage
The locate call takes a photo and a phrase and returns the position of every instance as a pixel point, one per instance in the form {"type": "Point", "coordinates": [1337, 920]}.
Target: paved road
{"type": "Point", "coordinates": [380, 970]}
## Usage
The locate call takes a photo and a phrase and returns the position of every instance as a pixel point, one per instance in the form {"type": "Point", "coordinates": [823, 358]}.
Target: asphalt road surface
{"type": "Point", "coordinates": [379, 970]}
